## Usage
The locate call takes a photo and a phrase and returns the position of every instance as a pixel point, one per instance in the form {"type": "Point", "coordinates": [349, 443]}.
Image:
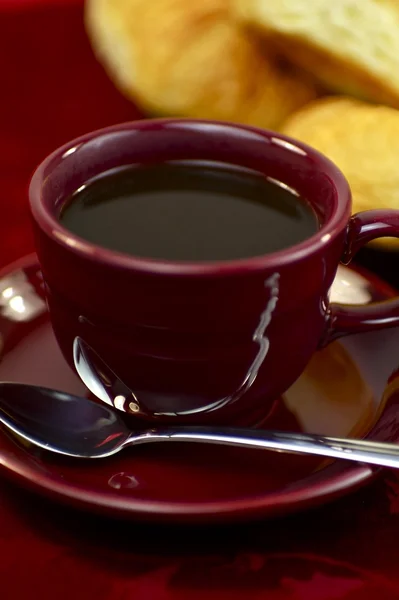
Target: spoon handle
{"type": "Point", "coordinates": [365, 451]}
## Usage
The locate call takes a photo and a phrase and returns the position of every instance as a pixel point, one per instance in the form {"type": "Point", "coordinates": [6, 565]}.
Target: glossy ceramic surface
{"type": "Point", "coordinates": [199, 342]}
{"type": "Point", "coordinates": [341, 393]}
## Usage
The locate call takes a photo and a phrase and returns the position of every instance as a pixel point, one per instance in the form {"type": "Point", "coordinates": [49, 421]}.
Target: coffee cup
{"type": "Point", "coordinates": [202, 341]}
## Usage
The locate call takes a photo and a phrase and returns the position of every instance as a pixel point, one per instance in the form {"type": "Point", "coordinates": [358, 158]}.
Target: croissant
{"type": "Point", "coordinates": [363, 140]}
{"type": "Point", "coordinates": [352, 46]}
{"type": "Point", "coordinates": [191, 59]}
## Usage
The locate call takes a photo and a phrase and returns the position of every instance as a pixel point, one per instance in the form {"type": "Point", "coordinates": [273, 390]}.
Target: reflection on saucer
{"type": "Point", "coordinates": [331, 397]}
{"type": "Point", "coordinates": [18, 298]}
{"type": "Point", "coordinates": [350, 288]}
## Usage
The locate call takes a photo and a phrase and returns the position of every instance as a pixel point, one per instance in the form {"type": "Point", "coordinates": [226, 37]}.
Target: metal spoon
{"type": "Point", "coordinates": [78, 427]}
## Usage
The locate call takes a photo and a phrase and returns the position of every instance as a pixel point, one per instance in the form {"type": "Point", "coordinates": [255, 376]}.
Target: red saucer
{"type": "Point", "coordinates": [340, 394]}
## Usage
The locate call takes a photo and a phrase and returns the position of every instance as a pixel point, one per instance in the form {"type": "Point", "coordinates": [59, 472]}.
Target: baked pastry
{"type": "Point", "coordinates": [191, 59]}
{"type": "Point", "coordinates": [352, 46]}
{"type": "Point", "coordinates": [363, 141]}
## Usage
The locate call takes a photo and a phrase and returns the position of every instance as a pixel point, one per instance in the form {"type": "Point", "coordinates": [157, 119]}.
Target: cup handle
{"type": "Point", "coordinates": [349, 319]}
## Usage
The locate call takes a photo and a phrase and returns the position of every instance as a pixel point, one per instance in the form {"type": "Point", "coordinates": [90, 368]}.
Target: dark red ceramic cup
{"type": "Point", "coordinates": [204, 342]}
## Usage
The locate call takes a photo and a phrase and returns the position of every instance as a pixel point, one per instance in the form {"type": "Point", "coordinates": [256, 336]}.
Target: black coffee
{"type": "Point", "coordinates": [188, 212]}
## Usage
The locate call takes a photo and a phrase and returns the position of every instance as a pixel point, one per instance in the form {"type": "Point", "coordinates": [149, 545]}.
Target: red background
{"type": "Point", "coordinates": [51, 91]}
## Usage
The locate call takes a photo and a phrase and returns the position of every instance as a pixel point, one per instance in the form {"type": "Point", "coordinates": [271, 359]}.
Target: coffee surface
{"type": "Point", "coordinates": [188, 212]}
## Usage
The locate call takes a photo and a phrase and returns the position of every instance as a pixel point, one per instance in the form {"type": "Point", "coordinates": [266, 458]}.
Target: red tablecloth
{"type": "Point", "coordinates": [52, 90]}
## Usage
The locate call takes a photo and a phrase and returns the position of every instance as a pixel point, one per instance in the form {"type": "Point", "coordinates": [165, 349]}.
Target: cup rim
{"type": "Point", "coordinates": [328, 231]}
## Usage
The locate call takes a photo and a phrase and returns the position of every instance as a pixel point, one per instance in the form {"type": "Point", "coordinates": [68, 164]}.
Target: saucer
{"type": "Point", "coordinates": [341, 393]}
